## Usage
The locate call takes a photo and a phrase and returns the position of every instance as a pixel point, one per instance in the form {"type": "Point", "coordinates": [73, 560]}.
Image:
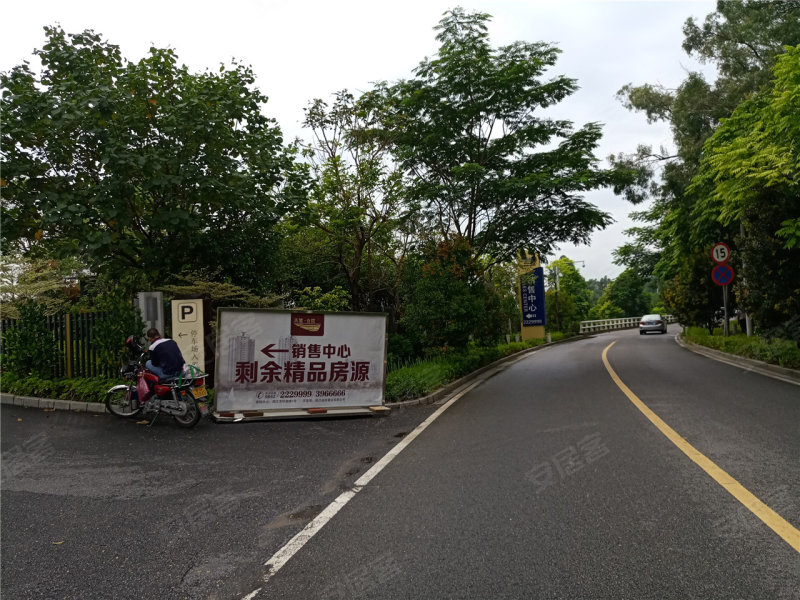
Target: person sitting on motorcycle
{"type": "Point", "coordinates": [166, 359]}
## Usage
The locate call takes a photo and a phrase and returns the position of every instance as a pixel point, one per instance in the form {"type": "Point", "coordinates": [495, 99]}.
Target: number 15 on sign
{"type": "Point", "coordinates": [720, 253]}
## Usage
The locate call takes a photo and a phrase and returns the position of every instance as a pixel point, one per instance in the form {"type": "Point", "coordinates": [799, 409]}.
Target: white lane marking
{"type": "Point", "coordinates": [282, 556]}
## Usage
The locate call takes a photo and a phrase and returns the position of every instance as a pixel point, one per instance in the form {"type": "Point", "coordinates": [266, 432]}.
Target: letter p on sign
{"type": "Point", "coordinates": [187, 313]}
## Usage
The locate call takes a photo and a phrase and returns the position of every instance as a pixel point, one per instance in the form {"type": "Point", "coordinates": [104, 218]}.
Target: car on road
{"type": "Point", "coordinates": [652, 323]}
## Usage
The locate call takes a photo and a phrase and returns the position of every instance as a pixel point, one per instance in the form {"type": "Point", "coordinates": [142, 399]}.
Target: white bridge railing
{"type": "Point", "coordinates": [611, 324]}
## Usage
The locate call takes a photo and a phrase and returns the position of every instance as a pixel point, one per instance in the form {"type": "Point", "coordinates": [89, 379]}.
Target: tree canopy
{"type": "Point", "coordinates": [733, 169]}
{"type": "Point", "coordinates": [485, 165]}
{"type": "Point", "coordinates": [140, 166]}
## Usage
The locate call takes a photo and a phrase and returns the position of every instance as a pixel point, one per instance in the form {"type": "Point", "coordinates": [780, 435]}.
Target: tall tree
{"type": "Point", "coordinates": [743, 39]}
{"type": "Point", "coordinates": [748, 176]}
{"type": "Point", "coordinates": [356, 199]}
{"type": "Point", "coordinates": [484, 165]}
{"type": "Point", "coordinates": [140, 166]}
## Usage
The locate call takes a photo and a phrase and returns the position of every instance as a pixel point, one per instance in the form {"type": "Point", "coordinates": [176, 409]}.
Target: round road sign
{"type": "Point", "coordinates": [722, 274]}
{"type": "Point", "coordinates": [720, 253]}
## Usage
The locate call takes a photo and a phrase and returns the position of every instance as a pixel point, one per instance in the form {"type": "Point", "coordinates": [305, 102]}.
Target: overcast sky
{"type": "Point", "coordinates": [304, 49]}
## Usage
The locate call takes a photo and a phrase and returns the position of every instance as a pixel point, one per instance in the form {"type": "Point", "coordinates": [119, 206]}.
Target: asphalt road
{"type": "Point", "coordinates": [545, 481]}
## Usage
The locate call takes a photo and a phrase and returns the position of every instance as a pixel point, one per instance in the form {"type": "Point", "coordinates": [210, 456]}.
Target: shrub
{"type": "Point", "coordinates": [405, 382]}
{"type": "Point", "coordinates": [776, 351]}
{"type": "Point", "coordinates": [29, 347]}
{"type": "Point", "coordinates": [80, 390]}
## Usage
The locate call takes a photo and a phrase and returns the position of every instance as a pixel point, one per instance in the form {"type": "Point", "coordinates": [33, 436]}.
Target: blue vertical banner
{"type": "Point", "coordinates": [532, 293]}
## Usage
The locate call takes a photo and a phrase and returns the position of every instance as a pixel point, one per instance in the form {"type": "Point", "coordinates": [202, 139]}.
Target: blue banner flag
{"type": "Point", "coordinates": [532, 292]}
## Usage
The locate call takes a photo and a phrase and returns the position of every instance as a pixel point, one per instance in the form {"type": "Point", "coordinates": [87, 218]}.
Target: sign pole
{"type": "Point", "coordinates": [726, 325]}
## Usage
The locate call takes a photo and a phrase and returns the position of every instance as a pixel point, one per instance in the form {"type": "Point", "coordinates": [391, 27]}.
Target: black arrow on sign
{"type": "Point", "coordinates": [268, 350]}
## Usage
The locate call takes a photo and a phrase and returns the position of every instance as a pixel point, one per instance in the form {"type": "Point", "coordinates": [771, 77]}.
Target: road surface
{"type": "Point", "coordinates": [547, 480]}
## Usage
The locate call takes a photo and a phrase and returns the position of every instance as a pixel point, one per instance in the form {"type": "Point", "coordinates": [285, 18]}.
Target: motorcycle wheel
{"type": "Point", "coordinates": [191, 416]}
{"type": "Point", "coordinates": [120, 402]}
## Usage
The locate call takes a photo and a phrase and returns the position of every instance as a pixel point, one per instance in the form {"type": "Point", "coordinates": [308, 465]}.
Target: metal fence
{"type": "Point", "coordinates": [72, 336]}
{"type": "Point", "coordinates": [612, 324]}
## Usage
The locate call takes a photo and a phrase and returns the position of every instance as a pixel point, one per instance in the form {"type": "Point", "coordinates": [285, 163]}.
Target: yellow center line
{"type": "Point", "coordinates": [770, 518]}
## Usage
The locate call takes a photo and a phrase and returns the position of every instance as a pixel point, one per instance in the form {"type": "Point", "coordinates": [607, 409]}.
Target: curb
{"type": "Point", "coordinates": [454, 386]}
{"type": "Point", "coordinates": [100, 407]}
{"type": "Point", "coordinates": [748, 364]}
{"type": "Point", "coordinates": [51, 404]}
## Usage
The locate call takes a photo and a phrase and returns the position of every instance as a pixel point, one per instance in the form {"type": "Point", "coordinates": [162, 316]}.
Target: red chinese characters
{"type": "Point", "coordinates": [300, 371]}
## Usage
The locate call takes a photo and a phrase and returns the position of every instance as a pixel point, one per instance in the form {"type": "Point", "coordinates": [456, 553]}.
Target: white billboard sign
{"type": "Point", "coordinates": [269, 359]}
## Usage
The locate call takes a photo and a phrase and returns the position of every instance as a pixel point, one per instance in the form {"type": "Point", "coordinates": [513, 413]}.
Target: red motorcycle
{"type": "Point", "coordinates": [184, 397]}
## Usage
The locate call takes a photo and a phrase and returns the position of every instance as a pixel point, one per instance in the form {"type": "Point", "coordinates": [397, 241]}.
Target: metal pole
{"type": "Point", "coordinates": [726, 324]}
{"type": "Point", "coordinates": [68, 353]}
{"type": "Point", "coordinates": [747, 319]}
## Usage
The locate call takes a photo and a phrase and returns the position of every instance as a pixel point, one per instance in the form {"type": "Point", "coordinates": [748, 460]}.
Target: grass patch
{"type": "Point", "coordinates": [777, 352]}
{"type": "Point", "coordinates": [420, 378]}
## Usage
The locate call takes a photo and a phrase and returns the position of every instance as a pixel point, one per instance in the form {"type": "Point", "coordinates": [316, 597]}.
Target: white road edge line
{"type": "Point", "coordinates": [282, 556]}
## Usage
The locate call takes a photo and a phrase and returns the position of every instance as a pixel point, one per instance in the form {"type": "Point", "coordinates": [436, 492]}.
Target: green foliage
{"type": "Point", "coordinates": [53, 284]}
{"type": "Point", "coordinates": [775, 351]}
{"type": "Point", "coordinates": [790, 230]}
{"type": "Point", "coordinates": [78, 390]}
{"type": "Point", "coordinates": [625, 294]}
{"type": "Point", "coordinates": [606, 309]}
{"type": "Point", "coordinates": [574, 294]}
{"type": "Point", "coordinates": [692, 297]}
{"type": "Point", "coordinates": [484, 166]}
{"type": "Point", "coordinates": [405, 382]}
{"type": "Point", "coordinates": [448, 302]}
{"type": "Point", "coordinates": [744, 40]}
{"type": "Point", "coordinates": [314, 298]}
{"type": "Point", "coordinates": [120, 319]}
{"type": "Point", "coordinates": [220, 294]}
{"type": "Point", "coordinates": [562, 312]}
{"type": "Point", "coordinates": [141, 166]}
{"type": "Point", "coordinates": [357, 193]}
{"type": "Point", "coordinates": [29, 347]}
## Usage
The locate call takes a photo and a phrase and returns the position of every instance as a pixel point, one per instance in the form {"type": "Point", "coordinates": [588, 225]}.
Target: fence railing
{"type": "Point", "coordinates": [72, 336]}
{"type": "Point", "coordinates": [612, 324]}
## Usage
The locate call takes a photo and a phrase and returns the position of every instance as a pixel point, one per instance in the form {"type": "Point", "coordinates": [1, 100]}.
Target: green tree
{"type": "Point", "coordinates": [141, 167]}
{"type": "Point", "coordinates": [748, 176]}
{"type": "Point", "coordinates": [597, 287]}
{"type": "Point", "coordinates": [357, 193]}
{"type": "Point", "coordinates": [564, 277]}
{"type": "Point", "coordinates": [626, 294]}
{"type": "Point", "coordinates": [691, 296]}
{"type": "Point", "coordinates": [483, 165]}
{"type": "Point", "coordinates": [314, 298]}
{"type": "Point", "coordinates": [448, 302]}
{"type": "Point", "coordinates": [743, 39]}
{"type": "Point", "coordinates": [29, 346]}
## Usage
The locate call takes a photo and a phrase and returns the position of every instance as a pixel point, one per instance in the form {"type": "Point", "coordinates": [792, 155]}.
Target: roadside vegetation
{"type": "Point", "coordinates": [423, 376]}
{"type": "Point", "coordinates": [782, 352]}
{"type": "Point", "coordinates": [414, 198]}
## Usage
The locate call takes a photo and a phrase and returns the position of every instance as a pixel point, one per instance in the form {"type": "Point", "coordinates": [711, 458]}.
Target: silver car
{"type": "Point", "coordinates": [652, 323]}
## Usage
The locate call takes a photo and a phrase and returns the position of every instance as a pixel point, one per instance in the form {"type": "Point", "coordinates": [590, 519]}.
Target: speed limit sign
{"type": "Point", "coordinates": [720, 253]}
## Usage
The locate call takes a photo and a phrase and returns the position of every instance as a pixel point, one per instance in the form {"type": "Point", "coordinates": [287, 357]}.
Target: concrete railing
{"type": "Point", "coordinates": [611, 324]}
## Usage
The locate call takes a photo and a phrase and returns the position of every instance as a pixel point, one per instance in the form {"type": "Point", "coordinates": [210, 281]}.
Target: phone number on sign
{"type": "Point", "coordinates": [283, 394]}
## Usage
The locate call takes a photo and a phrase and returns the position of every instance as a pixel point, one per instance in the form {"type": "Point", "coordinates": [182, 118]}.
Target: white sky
{"type": "Point", "coordinates": [304, 49]}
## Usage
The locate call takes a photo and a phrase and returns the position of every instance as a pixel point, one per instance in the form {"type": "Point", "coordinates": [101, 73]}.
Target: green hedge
{"type": "Point", "coordinates": [778, 352]}
{"type": "Point", "coordinates": [424, 376]}
{"type": "Point", "coordinates": [403, 382]}
{"type": "Point", "coordinates": [78, 389]}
